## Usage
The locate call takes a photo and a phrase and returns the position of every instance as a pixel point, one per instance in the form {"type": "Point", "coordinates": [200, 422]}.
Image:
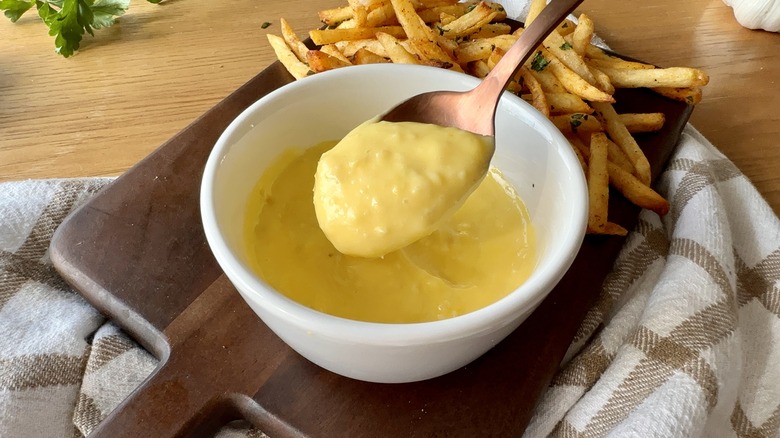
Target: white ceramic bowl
{"type": "Point", "coordinates": [530, 152]}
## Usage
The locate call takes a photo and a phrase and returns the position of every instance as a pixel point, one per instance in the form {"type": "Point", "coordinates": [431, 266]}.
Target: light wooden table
{"type": "Point", "coordinates": [136, 84]}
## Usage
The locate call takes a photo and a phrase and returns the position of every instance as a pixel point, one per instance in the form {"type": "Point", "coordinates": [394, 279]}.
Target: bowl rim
{"type": "Point", "coordinates": [495, 315]}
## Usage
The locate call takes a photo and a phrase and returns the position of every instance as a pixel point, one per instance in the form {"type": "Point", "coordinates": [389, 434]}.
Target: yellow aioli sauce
{"type": "Point", "coordinates": [386, 185]}
{"type": "Point", "coordinates": [478, 255]}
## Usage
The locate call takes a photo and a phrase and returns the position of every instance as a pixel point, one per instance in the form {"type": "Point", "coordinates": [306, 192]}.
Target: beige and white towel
{"type": "Point", "coordinates": [684, 340]}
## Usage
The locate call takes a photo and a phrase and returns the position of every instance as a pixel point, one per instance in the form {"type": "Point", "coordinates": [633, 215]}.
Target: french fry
{"type": "Point", "coordinates": [613, 62]}
{"type": "Point", "coordinates": [550, 84]}
{"type": "Point", "coordinates": [413, 25]}
{"type": "Point", "coordinates": [332, 50]}
{"type": "Point", "coordinates": [594, 52]}
{"type": "Point", "coordinates": [620, 135]}
{"type": "Point", "coordinates": [566, 27]}
{"type": "Point", "coordinates": [330, 36]}
{"type": "Point", "coordinates": [320, 61]}
{"type": "Point", "coordinates": [618, 157]}
{"type": "Point", "coordinates": [578, 122]}
{"type": "Point", "coordinates": [579, 145]}
{"type": "Point", "coordinates": [359, 12]}
{"type": "Point", "coordinates": [642, 122]}
{"type": "Point", "coordinates": [445, 18]}
{"type": "Point", "coordinates": [571, 81]}
{"type": "Point", "coordinates": [492, 30]}
{"type": "Point", "coordinates": [534, 9]}
{"type": "Point", "coordinates": [349, 48]}
{"type": "Point", "coordinates": [675, 77]}
{"type": "Point", "coordinates": [292, 40]}
{"type": "Point", "coordinates": [288, 59]}
{"type": "Point", "coordinates": [381, 15]}
{"type": "Point", "coordinates": [365, 56]}
{"type": "Point", "coordinates": [563, 103]}
{"type": "Point", "coordinates": [582, 35]}
{"type": "Point", "coordinates": [581, 159]}
{"type": "Point", "coordinates": [562, 50]}
{"type": "Point", "coordinates": [636, 191]}
{"type": "Point", "coordinates": [427, 4]}
{"type": "Point", "coordinates": [395, 50]}
{"type": "Point", "coordinates": [433, 15]}
{"type": "Point", "coordinates": [372, 5]}
{"type": "Point", "coordinates": [429, 51]}
{"type": "Point", "coordinates": [496, 7]}
{"type": "Point", "coordinates": [469, 22]}
{"type": "Point", "coordinates": [479, 68]}
{"type": "Point", "coordinates": [539, 101]}
{"type": "Point", "coordinates": [447, 45]}
{"type": "Point", "coordinates": [602, 80]}
{"type": "Point", "coordinates": [482, 48]}
{"type": "Point", "coordinates": [335, 16]}
{"type": "Point", "coordinates": [691, 96]}
{"type": "Point", "coordinates": [346, 24]}
{"type": "Point", "coordinates": [598, 183]}
{"type": "Point", "coordinates": [613, 229]}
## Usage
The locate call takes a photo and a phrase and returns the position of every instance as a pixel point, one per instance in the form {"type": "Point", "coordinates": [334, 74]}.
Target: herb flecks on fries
{"type": "Point", "coordinates": [568, 79]}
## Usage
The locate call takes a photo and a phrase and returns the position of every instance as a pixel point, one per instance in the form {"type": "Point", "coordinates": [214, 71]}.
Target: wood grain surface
{"type": "Point", "coordinates": [135, 85]}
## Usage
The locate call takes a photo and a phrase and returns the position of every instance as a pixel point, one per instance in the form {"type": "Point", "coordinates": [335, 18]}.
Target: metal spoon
{"type": "Point", "coordinates": [475, 110]}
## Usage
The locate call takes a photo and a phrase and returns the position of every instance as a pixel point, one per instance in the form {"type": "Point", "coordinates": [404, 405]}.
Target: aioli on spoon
{"type": "Point", "coordinates": [393, 181]}
{"type": "Point", "coordinates": [475, 110]}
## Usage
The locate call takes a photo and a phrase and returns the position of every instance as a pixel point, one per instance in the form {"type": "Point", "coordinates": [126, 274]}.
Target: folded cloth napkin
{"type": "Point", "coordinates": [684, 340]}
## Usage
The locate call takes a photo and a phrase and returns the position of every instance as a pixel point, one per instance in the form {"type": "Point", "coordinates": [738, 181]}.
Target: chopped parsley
{"type": "Point", "coordinates": [265, 25]}
{"type": "Point", "coordinates": [576, 120]}
{"type": "Point", "coordinates": [565, 46]}
{"type": "Point", "coordinates": [471, 7]}
{"type": "Point", "coordinates": [539, 62]}
{"type": "Point", "coordinates": [440, 29]}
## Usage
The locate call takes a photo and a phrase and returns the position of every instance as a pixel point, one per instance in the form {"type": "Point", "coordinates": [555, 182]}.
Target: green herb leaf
{"type": "Point", "coordinates": [565, 46]}
{"type": "Point", "coordinates": [64, 25]}
{"type": "Point", "coordinates": [539, 62]}
{"type": "Point", "coordinates": [106, 11]}
{"type": "Point", "coordinates": [68, 20]}
{"type": "Point", "coordinates": [15, 8]}
{"type": "Point", "coordinates": [576, 120]}
{"type": "Point", "coordinates": [75, 17]}
{"type": "Point", "coordinates": [265, 25]}
{"type": "Point", "coordinates": [471, 7]}
{"type": "Point", "coordinates": [440, 29]}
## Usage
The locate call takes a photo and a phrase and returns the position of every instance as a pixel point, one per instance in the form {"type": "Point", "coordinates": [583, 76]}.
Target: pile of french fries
{"type": "Point", "coordinates": [568, 79]}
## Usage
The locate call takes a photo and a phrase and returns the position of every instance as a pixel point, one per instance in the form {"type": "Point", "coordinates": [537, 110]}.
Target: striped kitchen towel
{"type": "Point", "coordinates": [684, 340]}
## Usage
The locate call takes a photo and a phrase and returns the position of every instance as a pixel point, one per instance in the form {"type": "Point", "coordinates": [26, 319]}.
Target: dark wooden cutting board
{"type": "Point", "coordinates": [137, 252]}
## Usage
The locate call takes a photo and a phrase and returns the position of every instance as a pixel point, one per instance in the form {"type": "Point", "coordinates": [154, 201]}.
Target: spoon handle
{"type": "Point", "coordinates": [497, 80]}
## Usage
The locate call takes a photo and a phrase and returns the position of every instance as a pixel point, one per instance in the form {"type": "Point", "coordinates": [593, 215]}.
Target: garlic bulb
{"type": "Point", "coordinates": [757, 14]}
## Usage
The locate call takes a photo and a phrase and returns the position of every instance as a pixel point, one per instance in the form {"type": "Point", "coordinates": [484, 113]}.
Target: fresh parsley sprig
{"type": "Point", "coordinates": [68, 20]}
